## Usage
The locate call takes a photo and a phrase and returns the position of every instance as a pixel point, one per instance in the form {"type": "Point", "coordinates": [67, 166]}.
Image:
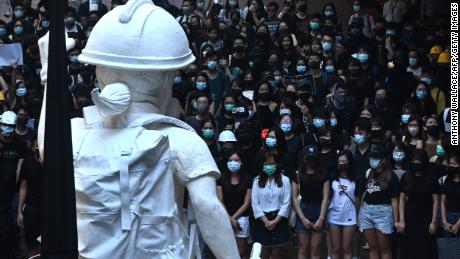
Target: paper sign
{"type": "Point", "coordinates": [93, 5]}
{"type": "Point", "coordinates": [249, 95]}
{"type": "Point", "coordinates": [10, 53]}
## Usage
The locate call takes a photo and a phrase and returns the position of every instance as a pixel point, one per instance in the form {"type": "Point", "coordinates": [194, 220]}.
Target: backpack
{"type": "Point", "coordinates": [125, 192]}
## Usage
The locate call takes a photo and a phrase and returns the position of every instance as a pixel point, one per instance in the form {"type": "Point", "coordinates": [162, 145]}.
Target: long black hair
{"type": "Point", "coordinates": [349, 157]}
{"type": "Point", "coordinates": [227, 175]}
{"type": "Point", "coordinates": [421, 156]}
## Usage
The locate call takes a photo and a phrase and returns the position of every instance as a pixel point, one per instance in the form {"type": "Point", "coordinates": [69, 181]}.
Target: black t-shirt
{"type": "Point", "coordinates": [225, 123]}
{"type": "Point", "coordinates": [452, 191]}
{"type": "Point", "coordinates": [32, 173]}
{"type": "Point", "coordinates": [10, 153]}
{"type": "Point", "coordinates": [328, 162]}
{"type": "Point", "coordinates": [419, 192]}
{"type": "Point", "coordinates": [293, 147]}
{"type": "Point", "coordinates": [311, 189]}
{"type": "Point", "coordinates": [234, 194]}
{"type": "Point", "coordinates": [375, 194]}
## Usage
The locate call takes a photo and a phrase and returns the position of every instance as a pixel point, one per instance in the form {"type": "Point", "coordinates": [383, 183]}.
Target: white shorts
{"type": "Point", "coordinates": [244, 225]}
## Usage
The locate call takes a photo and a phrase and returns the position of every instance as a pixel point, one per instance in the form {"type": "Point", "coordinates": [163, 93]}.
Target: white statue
{"type": "Point", "coordinates": [136, 49]}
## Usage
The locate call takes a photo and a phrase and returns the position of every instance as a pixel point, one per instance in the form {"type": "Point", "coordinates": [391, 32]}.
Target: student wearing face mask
{"type": "Point", "coordinates": [12, 153]}
{"type": "Point", "coordinates": [312, 184]}
{"type": "Point", "coordinates": [293, 144]}
{"type": "Point", "coordinates": [208, 134]}
{"type": "Point", "coordinates": [218, 79]}
{"type": "Point", "coordinates": [438, 95]}
{"type": "Point", "coordinates": [360, 11]}
{"type": "Point", "coordinates": [379, 212]}
{"type": "Point", "coordinates": [265, 106]}
{"type": "Point", "coordinates": [342, 104]}
{"type": "Point", "coordinates": [320, 83]}
{"type": "Point", "coordinates": [230, 6]}
{"type": "Point", "coordinates": [271, 200]}
{"type": "Point", "coordinates": [423, 101]}
{"type": "Point", "coordinates": [431, 135]}
{"type": "Point", "coordinates": [358, 86]}
{"type": "Point", "coordinates": [202, 107]}
{"type": "Point", "coordinates": [399, 160]}
{"type": "Point", "coordinates": [450, 189]}
{"type": "Point", "coordinates": [418, 209]}
{"type": "Point", "coordinates": [411, 135]}
{"type": "Point", "coordinates": [360, 148]}
{"type": "Point", "coordinates": [200, 87]}
{"type": "Point", "coordinates": [343, 207]}
{"type": "Point", "coordinates": [225, 119]}
{"type": "Point", "coordinates": [328, 151]}
{"type": "Point", "coordinates": [22, 129]}
{"type": "Point", "coordinates": [234, 191]}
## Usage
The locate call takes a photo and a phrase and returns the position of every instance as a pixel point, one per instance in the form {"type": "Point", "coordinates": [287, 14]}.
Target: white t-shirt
{"type": "Point", "coordinates": [342, 210]}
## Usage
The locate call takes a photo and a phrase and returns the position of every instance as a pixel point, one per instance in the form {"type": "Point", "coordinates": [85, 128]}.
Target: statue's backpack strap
{"type": "Point", "coordinates": [154, 120]}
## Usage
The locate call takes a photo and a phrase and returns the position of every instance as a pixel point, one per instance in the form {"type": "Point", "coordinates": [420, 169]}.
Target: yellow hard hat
{"type": "Point", "coordinates": [2, 97]}
{"type": "Point", "coordinates": [444, 58]}
{"type": "Point", "coordinates": [436, 49]}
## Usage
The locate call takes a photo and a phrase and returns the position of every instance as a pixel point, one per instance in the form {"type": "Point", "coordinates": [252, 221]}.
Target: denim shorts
{"type": "Point", "coordinates": [378, 216]}
{"type": "Point", "coordinates": [311, 211]}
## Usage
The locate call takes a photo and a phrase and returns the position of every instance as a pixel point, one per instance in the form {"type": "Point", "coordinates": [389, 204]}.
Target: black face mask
{"type": "Point", "coordinates": [291, 95]}
{"type": "Point", "coordinates": [22, 120]}
{"type": "Point", "coordinates": [311, 161]}
{"type": "Point", "coordinates": [432, 130]}
{"type": "Point", "coordinates": [453, 170]}
{"type": "Point", "coordinates": [264, 96]}
{"type": "Point", "coordinates": [303, 7]}
{"type": "Point", "coordinates": [378, 134]}
{"type": "Point", "coordinates": [343, 167]}
{"type": "Point", "coordinates": [304, 97]}
{"type": "Point", "coordinates": [239, 49]}
{"type": "Point", "coordinates": [354, 72]}
{"type": "Point", "coordinates": [324, 142]}
{"type": "Point", "coordinates": [248, 83]}
{"type": "Point", "coordinates": [314, 64]}
{"type": "Point", "coordinates": [244, 139]}
{"type": "Point", "coordinates": [416, 167]}
{"type": "Point", "coordinates": [379, 32]}
{"type": "Point", "coordinates": [226, 152]}
{"type": "Point", "coordinates": [236, 91]}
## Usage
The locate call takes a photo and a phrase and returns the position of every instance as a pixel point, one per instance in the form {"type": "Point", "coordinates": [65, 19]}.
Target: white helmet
{"type": "Point", "coordinates": [138, 36]}
{"type": "Point", "coordinates": [227, 136]}
{"type": "Point", "coordinates": [8, 118]}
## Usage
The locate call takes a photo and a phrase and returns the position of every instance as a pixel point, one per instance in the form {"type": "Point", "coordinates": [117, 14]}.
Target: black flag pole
{"type": "Point", "coordinates": [59, 226]}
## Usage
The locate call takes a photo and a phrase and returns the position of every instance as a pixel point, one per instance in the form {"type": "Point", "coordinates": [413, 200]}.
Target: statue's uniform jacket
{"type": "Point", "coordinates": [124, 180]}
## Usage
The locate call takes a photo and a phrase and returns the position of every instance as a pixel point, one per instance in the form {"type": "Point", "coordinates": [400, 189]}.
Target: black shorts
{"type": "Point", "coordinates": [278, 237]}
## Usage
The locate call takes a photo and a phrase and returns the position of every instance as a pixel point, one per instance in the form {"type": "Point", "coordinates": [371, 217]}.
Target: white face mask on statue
{"type": "Point", "coordinates": [154, 87]}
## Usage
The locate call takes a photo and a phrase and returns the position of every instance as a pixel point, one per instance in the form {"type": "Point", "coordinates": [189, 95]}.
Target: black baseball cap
{"type": "Point", "coordinates": [377, 151]}
{"type": "Point", "coordinates": [311, 151]}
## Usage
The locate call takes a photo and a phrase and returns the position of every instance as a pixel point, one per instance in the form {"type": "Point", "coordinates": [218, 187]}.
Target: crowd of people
{"type": "Point", "coordinates": [328, 133]}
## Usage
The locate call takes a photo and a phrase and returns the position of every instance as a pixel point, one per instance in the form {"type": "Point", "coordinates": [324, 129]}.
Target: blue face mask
{"type": "Point", "coordinates": [363, 57]}
{"type": "Point", "coordinates": [314, 25]}
{"type": "Point", "coordinates": [301, 69]}
{"type": "Point", "coordinates": [359, 139]}
{"type": "Point", "coordinates": [18, 30]}
{"type": "Point", "coordinates": [412, 61]}
{"type": "Point", "coordinates": [74, 59]}
{"type": "Point", "coordinates": [333, 122]}
{"type": "Point", "coordinates": [272, 83]}
{"type": "Point", "coordinates": [356, 8]}
{"type": "Point", "coordinates": [21, 91]}
{"type": "Point", "coordinates": [427, 80]}
{"type": "Point", "coordinates": [286, 127]}
{"type": "Point", "coordinates": [201, 85]}
{"type": "Point", "coordinates": [326, 46]}
{"type": "Point", "coordinates": [318, 123]}
{"type": "Point", "coordinates": [7, 131]}
{"type": "Point", "coordinates": [440, 151]}
{"type": "Point", "coordinates": [18, 13]}
{"type": "Point", "coordinates": [270, 142]}
{"type": "Point", "coordinates": [399, 156]}
{"type": "Point", "coordinates": [177, 80]}
{"type": "Point", "coordinates": [328, 13]}
{"type": "Point", "coordinates": [329, 69]}
{"type": "Point", "coordinates": [233, 166]}
{"type": "Point", "coordinates": [2, 32]}
{"type": "Point", "coordinates": [421, 94]}
{"type": "Point", "coordinates": [229, 107]}
{"type": "Point", "coordinates": [405, 118]}
{"type": "Point", "coordinates": [269, 169]}
{"type": "Point", "coordinates": [45, 24]}
{"type": "Point", "coordinates": [207, 133]}
{"type": "Point", "coordinates": [285, 111]}
{"type": "Point", "coordinates": [374, 163]}
{"type": "Point", "coordinates": [212, 65]}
